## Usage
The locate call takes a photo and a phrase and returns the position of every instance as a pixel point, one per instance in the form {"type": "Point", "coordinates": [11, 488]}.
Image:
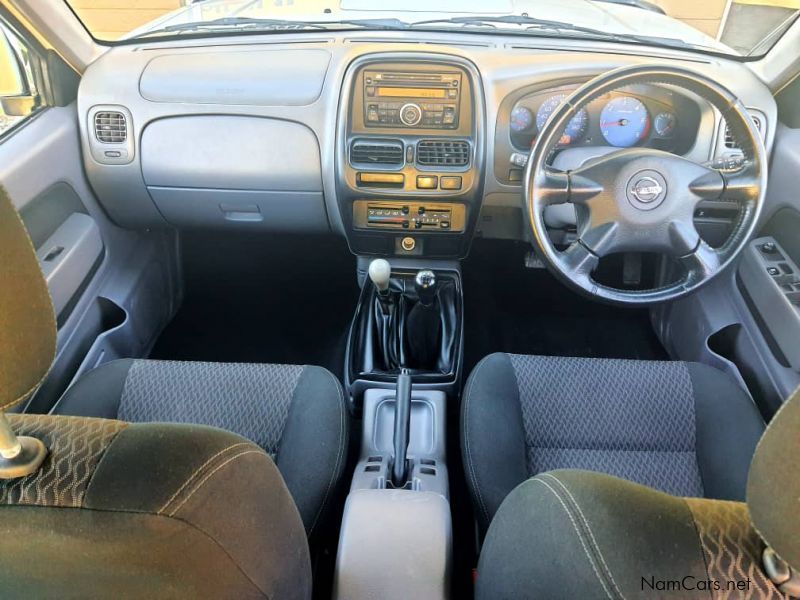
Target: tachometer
{"type": "Point", "coordinates": [624, 122]}
{"type": "Point", "coordinates": [521, 119]}
{"type": "Point", "coordinates": [574, 129]}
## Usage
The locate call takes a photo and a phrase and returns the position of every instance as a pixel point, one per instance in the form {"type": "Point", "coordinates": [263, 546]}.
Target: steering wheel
{"type": "Point", "coordinates": [643, 200]}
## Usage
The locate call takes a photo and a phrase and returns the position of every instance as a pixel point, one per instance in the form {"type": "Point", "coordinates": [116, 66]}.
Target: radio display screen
{"type": "Point", "coordinates": [403, 92]}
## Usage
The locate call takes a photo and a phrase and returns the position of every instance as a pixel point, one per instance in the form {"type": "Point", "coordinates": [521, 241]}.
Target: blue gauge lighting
{"type": "Point", "coordinates": [521, 119]}
{"type": "Point", "coordinates": [574, 129]}
{"type": "Point", "coordinates": [624, 122]}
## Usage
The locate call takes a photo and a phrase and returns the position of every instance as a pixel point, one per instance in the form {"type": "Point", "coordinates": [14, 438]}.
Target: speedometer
{"type": "Point", "coordinates": [574, 129]}
{"type": "Point", "coordinates": [624, 122]}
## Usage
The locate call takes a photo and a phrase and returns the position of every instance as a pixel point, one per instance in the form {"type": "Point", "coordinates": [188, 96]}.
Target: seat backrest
{"type": "Point", "coordinates": [119, 510]}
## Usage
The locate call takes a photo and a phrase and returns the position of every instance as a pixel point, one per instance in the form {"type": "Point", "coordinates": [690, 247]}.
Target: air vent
{"type": "Point", "coordinates": [443, 153]}
{"type": "Point", "coordinates": [377, 152]}
{"type": "Point", "coordinates": [730, 142]}
{"type": "Point", "coordinates": [110, 127]}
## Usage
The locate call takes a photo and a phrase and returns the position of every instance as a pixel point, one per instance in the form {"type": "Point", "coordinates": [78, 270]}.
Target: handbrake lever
{"type": "Point", "coordinates": [402, 423]}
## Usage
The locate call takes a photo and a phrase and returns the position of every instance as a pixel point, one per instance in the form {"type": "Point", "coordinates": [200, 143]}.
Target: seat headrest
{"type": "Point", "coordinates": [27, 319]}
{"type": "Point", "coordinates": [773, 487]}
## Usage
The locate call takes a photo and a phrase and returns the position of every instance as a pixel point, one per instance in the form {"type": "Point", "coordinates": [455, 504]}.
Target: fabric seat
{"type": "Point", "coordinates": [99, 508]}
{"type": "Point", "coordinates": [149, 511]}
{"type": "Point", "coordinates": [577, 534]}
{"type": "Point", "coordinates": [297, 414]}
{"type": "Point", "coordinates": [683, 428]}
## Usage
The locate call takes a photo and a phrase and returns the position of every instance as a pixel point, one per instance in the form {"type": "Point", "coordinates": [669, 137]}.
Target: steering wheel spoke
{"type": "Point", "coordinates": [553, 185]}
{"type": "Point", "coordinates": [579, 262]}
{"type": "Point", "coordinates": [742, 185]}
{"type": "Point", "coordinates": [701, 263]}
{"type": "Point", "coordinates": [561, 187]}
{"type": "Point", "coordinates": [739, 185]}
{"type": "Point", "coordinates": [684, 237]}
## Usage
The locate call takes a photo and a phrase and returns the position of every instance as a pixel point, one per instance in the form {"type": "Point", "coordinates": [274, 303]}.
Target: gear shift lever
{"type": "Point", "coordinates": [425, 285]}
{"type": "Point", "coordinates": [379, 272]}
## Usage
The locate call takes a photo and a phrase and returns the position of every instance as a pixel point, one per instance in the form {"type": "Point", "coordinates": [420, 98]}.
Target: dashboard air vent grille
{"type": "Point", "coordinates": [730, 142]}
{"type": "Point", "coordinates": [110, 127]}
{"type": "Point", "coordinates": [443, 153]}
{"type": "Point", "coordinates": [377, 152]}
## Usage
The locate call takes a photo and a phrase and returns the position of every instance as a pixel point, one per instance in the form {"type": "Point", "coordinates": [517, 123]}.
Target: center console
{"type": "Point", "coordinates": [403, 359]}
{"type": "Point", "coordinates": [409, 186]}
{"type": "Point", "coordinates": [410, 155]}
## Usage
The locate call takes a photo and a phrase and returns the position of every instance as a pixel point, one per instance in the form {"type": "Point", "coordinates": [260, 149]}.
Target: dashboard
{"type": "Point", "coordinates": [406, 146]}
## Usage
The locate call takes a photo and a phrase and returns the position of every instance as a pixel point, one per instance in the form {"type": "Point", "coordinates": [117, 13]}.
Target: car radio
{"type": "Point", "coordinates": [422, 100]}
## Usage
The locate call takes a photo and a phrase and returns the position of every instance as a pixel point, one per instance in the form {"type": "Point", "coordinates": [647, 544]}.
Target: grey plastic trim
{"type": "Point", "coordinates": [231, 152]}
{"type": "Point", "coordinates": [779, 308]}
{"type": "Point", "coordinates": [255, 209]}
{"type": "Point", "coordinates": [68, 256]}
{"type": "Point", "coordinates": [394, 544]}
{"type": "Point", "coordinates": [250, 77]}
{"type": "Point", "coordinates": [426, 445]}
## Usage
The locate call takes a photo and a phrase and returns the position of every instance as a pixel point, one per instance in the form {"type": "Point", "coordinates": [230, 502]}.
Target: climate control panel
{"type": "Point", "coordinates": [410, 216]}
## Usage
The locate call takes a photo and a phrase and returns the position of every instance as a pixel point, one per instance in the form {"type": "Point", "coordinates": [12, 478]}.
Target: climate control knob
{"type": "Point", "coordinates": [411, 114]}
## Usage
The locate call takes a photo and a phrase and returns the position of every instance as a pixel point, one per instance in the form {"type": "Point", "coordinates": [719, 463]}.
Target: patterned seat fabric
{"type": "Point", "coordinates": [149, 510]}
{"type": "Point", "coordinates": [578, 534]}
{"type": "Point", "coordinates": [632, 419]}
{"type": "Point", "coordinates": [249, 399]}
{"type": "Point", "coordinates": [75, 447]}
{"type": "Point", "coordinates": [731, 547]}
{"type": "Point", "coordinates": [297, 414]}
{"type": "Point", "coordinates": [682, 428]}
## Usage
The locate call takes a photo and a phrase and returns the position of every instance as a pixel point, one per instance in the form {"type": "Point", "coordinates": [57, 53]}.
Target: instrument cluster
{"type": "Point", "coordinates": [646, 116]}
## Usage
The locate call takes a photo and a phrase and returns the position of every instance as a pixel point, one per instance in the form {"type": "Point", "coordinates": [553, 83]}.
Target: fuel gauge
{"type": "Point", "coordinates": [665, 123]}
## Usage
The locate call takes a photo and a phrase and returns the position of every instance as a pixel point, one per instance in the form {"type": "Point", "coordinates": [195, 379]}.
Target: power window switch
{"type": "Point", "coordinates": [773, 271]}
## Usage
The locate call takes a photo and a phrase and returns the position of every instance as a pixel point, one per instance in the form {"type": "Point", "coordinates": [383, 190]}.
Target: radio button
{"type": "Point", "coordinates": [370, 90]}
{"type": "Point", "coordinates": [411, 114]}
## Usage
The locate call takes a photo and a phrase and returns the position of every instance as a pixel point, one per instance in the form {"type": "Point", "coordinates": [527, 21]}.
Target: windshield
{"type": "Point", "coordinates": [735, 27]}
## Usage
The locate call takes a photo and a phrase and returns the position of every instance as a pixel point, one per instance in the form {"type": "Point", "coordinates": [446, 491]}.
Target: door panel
{"type": "Point", "coordinates": [740, 322]}
{"type": "Point", "coordinates": [114, 289]}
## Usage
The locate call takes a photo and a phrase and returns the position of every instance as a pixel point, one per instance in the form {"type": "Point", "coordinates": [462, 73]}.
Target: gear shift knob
{"type": "Point", "coordinates": [425, 285]}
{"type": "Point", "coordinates": [379, 272]}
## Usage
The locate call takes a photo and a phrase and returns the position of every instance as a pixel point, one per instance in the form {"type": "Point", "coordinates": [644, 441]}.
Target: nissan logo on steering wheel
{"type": "Point", "coordinates": [646, 190]}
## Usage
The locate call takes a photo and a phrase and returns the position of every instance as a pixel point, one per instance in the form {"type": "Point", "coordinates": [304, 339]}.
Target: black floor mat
{"type": "Point", "coordinates": [269, 299]}
{"type": "Point", "coordinates": [509, 308]}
